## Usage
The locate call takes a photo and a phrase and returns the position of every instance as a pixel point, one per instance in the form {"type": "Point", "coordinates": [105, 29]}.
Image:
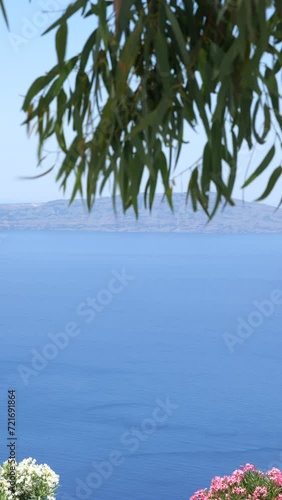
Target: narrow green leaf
{"type": "Point", "coordinates": [60, 137]}
{"type": "Point", "coordinates": [222, 189]}
{"type": "Point", "coordinates": [43, 81]}
{"type": "Point", "coordinates": [127, 57]}
{"type": "Point", "coordinates": [61, 42]}
{"type": "Point", "coordinates": [226, 65]}
{"type": "Point", "coordinates": [106, 176]}
{"type": "Point", "coordinates": [61, 105]}
{"type": "Point", "coordinates": [34, 89]}
{"type": "Point", "coordinates": [215, 148]}
{"type": "Point", "coordinates": [271, 82]}
{"type": "Point", "coordinates": [162, 166]}
{"type": "Point", "coordinates": [89, 188]}
{"type": "Point", "coordinates": [103, 23]}
{"type": "Point", "coordinates": [69, 161]}
{"type": "Point", "coordinates": [232, 162]}
{"type": "Point", "coordinates": [153, 185]}
{"type": "Point", "coordinates": [178, 35]}
{"type": "Point", "coordinates": [151, 119]}
{"type": "Point", "coordinates": [88, 47]}
{"type": "Point", "coordinates": [163, 61]}
{"type": "Point", "coordinates": [271, 183]}
{"type": "Point", "coordinates": [263, 165]}
{"type": "Point", "coordinates": [216, 205]}
{"type": "Point", "coordinates": [70, 10]}
{"type": "Point", "coordinates": [267, 121]}
{"type": "Point", "coordinates": [206, 169]}
{"type": "Point", "coordinates": [199, 101]}
{"type": "Point", "coordinates": [193, 188]}
{"type": "Point", "coordinates": [278, 7]}
{"type": "Point", "coordinates": [32, 177]}
{"type": "Point", "coordinates": [141, 152]}
{"type": "Point", "coordinates": [2, 7]}
{"type": "Point", "coordinates": [67, 68]}
{"type": "Point", "coordinates": [146, 191]}
{"type": "Point", "coordinates": [78, 185]}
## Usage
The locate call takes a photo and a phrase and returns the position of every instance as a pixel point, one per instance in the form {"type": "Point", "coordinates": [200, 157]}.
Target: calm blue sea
{"type": "Point", "coordinates": [144, 364]}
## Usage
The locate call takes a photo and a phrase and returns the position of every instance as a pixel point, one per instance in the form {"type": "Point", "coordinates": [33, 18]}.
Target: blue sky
{"type": "Point", "coordinates": [25, 56]}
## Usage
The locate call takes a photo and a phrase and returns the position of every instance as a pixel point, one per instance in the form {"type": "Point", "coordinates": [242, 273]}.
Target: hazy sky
{"type": "Point", "coordinates": [25, 56]}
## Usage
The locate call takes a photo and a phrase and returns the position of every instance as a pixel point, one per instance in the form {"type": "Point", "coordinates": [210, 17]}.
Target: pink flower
{"type": "Point", "coordinates": [248, 467]}
{"type": "Point", "coordinates": [236, 477]}
{"type": "Point", "coordinates": [260, 492]}
{"type": "Point", "coordinates": [199, 495]}
{"type": "Point", "coordinates": [238, 490]}
{"type": "Point", "coordinates": [242, 481]}
{"type": "Point", "coordinates": [218, 484]}
{"type": "Point", "coordinates": [275, 475]}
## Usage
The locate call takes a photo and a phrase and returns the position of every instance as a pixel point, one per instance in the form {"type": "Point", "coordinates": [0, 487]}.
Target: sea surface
{"type": "Point", "coordinates": [143, 364]}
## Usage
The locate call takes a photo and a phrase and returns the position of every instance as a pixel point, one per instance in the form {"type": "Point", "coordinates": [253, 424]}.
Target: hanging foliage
{"type": "Point", "coordinates": [149, 71]}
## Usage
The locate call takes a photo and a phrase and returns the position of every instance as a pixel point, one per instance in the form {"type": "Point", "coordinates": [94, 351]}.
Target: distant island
{"type": "Point", "coordinates": [58, 215]}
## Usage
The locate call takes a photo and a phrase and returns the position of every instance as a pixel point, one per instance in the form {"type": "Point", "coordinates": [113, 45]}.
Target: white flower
{"type": "Point", "coordinates": [31, 481]}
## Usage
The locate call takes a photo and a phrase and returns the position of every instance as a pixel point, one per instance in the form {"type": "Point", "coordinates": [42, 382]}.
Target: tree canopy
{"type": "Point", "coordinates": [150, 72]}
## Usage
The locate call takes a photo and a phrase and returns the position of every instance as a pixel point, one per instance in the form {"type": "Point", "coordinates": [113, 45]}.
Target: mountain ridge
{"type": "Point", "coordinates": [244, 217]}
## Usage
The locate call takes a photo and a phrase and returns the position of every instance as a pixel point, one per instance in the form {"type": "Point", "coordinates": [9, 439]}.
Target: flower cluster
{"type": "Point", "coordinates": [246, 483]}
{"type": "Point", "coordinates": [30, 480]}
